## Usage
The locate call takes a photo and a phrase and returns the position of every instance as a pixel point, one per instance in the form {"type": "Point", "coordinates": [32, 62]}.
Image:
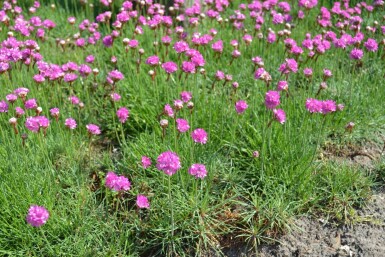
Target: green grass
{"type": "Point", "coordinates": [252, 200]}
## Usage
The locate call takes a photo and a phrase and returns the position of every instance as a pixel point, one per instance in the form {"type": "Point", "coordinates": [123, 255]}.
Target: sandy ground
{"type": "Point", "coordinates": [317, 237]}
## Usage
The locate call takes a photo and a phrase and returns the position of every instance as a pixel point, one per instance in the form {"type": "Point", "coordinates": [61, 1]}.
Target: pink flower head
{"type": "Point", "coordinates": [11, 98]}
{"type": "Point", "coordinates": [356, 54]}
{"type": "Point", "coordinates": [181, 46]}
{"type": "Point", "coordinates": [272, 99]}
{"type": "Point", "coordinates": [74, 100]}
{"type": "Point", "coordinates": [328, 106]}
{"type": "Point", "coordinates": [168, 110]}
{"type": "Point", "coordinates": [327, 73]}
{"type": "Point", "coordinates": [19, 111]}
{"type": "Point", "coordinates": [279, 115]}
{"type": "Point", "coordinates": [117, 183]}
{"type": "Point", "coordinates": [282, 85]}
{"type": "Point", "coordinates": [32, 124]}
{"type": "Point", "coordinates": [30, 104]}
{"type": "Point", "coordinates": [219, 75]}
{"type": "Point", "coordinates": [93, 129]}
{"type": "Point", "coordinates": [308, 72]}
{"type": "Point", "coordinates": [21, 91]}
{"type": "Point", "coordinates": [313, 105]}
{"type": "Point", "coordinates": [241, 106]}
{"type": "Point", "coordinates": [290, 65]}
{"type": "Point", "coordinates": [182, 125]}
{"type": "Point", "coordinates": [54, 112]}
{"type": "Point", "coordinates": [199, 136]}
{"type": "Point", "coordinates": [188, 67]}
{"type": "Point", "coordinates": [146, 162]}
{"type": "Point", "coordinates": [371, 45]}
{"type": "Point", "coordinates": [123, 114]}
{"type": "Point", "coordinates": [3, 106]}
{"type": "Point", "coordinates": [70, 123]}
{"type": "Point", "coordinates": [115, 97]}
{"type": "Point", "coordinates": [142, 202]}
{"type": "Point", "coordinates": [185, 96]}
{"type": "Point", "coordinates": [169, 67]}
{"type": "Point", "coordinates": [37, 216]}
{"type": "Point", "coordinates": [90, 59]}
{"type": "Point", "coordinates": [70, 77]}
{"type": "Point", "coordinates": [43, 121]}
{"type": "Point", "coordinates": [198, 170]}
{"type": "Point", "coordinates": [115, 75]}
{"type": "Point", "coordinates": [217, 46]}
{"type": "Point", "coordinates": [168, 162]}
{"type": "Point", "coordinates": [153, 60]}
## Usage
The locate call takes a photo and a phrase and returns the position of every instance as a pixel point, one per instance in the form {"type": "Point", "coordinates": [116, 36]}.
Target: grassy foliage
{"type": "Point", "coordinates": [251, 199]}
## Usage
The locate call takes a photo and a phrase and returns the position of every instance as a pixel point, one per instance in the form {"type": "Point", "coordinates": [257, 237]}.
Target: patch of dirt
{"type": "Point", "coordinates": [363, 155]}
{"type": "Point", "coordinates": [311, 237]}
{"type": "Point", "coordinates": [317, 238]}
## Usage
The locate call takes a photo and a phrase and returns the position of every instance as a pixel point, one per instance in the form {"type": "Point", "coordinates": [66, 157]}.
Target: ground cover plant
{"type": "Point", "coordinates": [137, 128]}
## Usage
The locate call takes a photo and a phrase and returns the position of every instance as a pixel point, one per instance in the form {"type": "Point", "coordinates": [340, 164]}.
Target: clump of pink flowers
{"type": "Point", "coordinates": [241, 106]}
{"type": "Point", "coordinates": [123, 114]}
{"type": "Point", "coordinates": [199, 136]}
{"type": "Point", "coordinates": [93, 129]}
{"type": "Point", "coordinates": [198, 170]}
{"type": "Point", "coordinates": [142, 202]}
{"type": "Point", "coordinates": [37, 216]}
{"type": "Point", "coordinates": [168, 162]}
{"type": "Point", "coordinates": [117, 183]}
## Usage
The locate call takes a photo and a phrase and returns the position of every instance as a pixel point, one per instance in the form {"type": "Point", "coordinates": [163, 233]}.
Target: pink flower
{"type": "Point", "coordinates": [146, 162]}
{"type": "Point", "coordinates": [217, 46]}
{"type": "Point", "coordinates": [371, 45]}
{"type": "Point", "coordinates": [198, 170]}
{"type": "Point", "coordinates": [3, 106]}
{"type": "Point", "coordinates": [21, 91]}
{"type": "Point", "coordinates": [199, 136]}
{"type": "Point", "coordinates": [30, 104]}
{"type": "Point", "coordinates": [290, 65]}
{"type": "Point", "coordinates": [54, 112]}
{"type": "Point", "coordinates": [11, 98]}
{"type": "Point", "coordinates": [313, 105]}
{"type": "Point", "coordinates": [188, 67]}
{"type": "Point", "coordinates": [142, 202]}
{"type": "Point", "coordinates": [123, 114]}
{"type": "Point", "coordinates": [37, 215]}
{"type": "Point", "coordinates": [43, 121]}
{"type": "Point", "coordinates": [356, 54]}
{"type": "Point", "coordinates": [186, 96]}
{"type": "Point", "coordinates": [241, 106]}
{"type": "Point", "coordinates": [74, 100]}
{"type": "Point", "coordinates": [168, 110]}
{"type": "Point", "coordinates": [70, 123]}
{"type": "Point", "coordinates": [19, 111]}
{"type": "Point", "coordinates": [279, 115]}
{"type": "Point", "coordinates": [282, 85]}
{"type": "Point", "coordinates": [70, 77]}
{"type": "Point", "coordinates": [168, 162]}
{"type": "Point", "coordinates": [32, 124]}
{"type": "Point", "coordinates": [115, 75]}
{"type": "Point", "coordinates": [169, 67]}
{"type": "Point", "coordinates": [115, 97]}
{"type": "Point", "coordinates": [327, 73]}
{"type": "Point", "coordinates": [93, 129]}
{"type": "Point", "coordinates": [272, 99]}
{"type": "Point", "coordinates": [182, 125]}
{"type": "Point", "coordinates": [181, 46]}
{"type": "Point", "coordinates": [117, 183]}
{"type": "Point", "coordinates": [153, 60]}
{"type": "Point", "coordinates": [308, 72]}
{"type": "Point", "coordinates": [328, 106]}
{"type": "Point", "coordinates": [90, 59]}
